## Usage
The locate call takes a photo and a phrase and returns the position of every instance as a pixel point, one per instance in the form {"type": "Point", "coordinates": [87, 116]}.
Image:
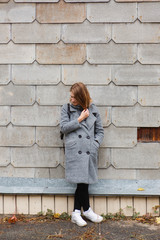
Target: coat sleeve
{"type": "Point", "coordinates": [66, 125]}
{"type": "Point", "coordinates": [99, 131]}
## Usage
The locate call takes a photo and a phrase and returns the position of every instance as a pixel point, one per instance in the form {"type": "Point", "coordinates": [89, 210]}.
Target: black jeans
{"type": "Point", "coordinates": [81, 198]}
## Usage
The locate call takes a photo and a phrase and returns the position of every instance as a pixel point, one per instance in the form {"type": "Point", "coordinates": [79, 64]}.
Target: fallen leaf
{"type": "Point", "coordinates": [53, 236]}
{"type": "Point", "coordinates": [56, 215]}
{"type": "Point", "coordinates": [5, 219]}
{"type": "Point", "coordinates": [140, 189]}
{"type": "Point", "coordinates": [58, 235]}
{"type": "Point", "coordinates": [13, 219]}
{"type": "Point", "coordinates": [156, 207]}
{"type": "Point", "coordinates": [140, 219]}
{"type": "Point", "coordinates": [158, 220]}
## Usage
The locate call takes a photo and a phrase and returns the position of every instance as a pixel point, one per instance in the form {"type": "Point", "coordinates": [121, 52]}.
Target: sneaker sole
{"type": "Point", "coordinates": [79, 224]}
{"type": "Point", "coordinates": [92, 220]}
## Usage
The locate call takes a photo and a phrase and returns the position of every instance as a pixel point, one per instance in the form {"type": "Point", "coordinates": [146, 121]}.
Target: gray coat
{"type": "Point", "coordinates": [82, 141]}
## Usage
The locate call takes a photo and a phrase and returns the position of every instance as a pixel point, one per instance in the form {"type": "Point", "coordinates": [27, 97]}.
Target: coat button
{"type": "Point", "coordinates": [79, 152]}
{"type": "Point", "coordinates": [88, 152]}
{"type": "Point", "coordinates": [79, 136]}
{"type": "Point", "coordinates": [88, 137]}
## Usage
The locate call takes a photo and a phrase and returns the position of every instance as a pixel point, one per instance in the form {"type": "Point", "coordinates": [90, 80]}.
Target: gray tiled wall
{"type": "Point", "coordinates": [46, 46]}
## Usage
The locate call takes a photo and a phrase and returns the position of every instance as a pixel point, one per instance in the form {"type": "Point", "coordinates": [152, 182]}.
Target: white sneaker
{"type": "Point", "coordinates": [92, 216]}
{"type": "Point", "coordinates": [76, 218]}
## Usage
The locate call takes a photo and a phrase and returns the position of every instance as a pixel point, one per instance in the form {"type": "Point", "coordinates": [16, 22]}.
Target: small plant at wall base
{"type": "Point", "coordinates": [156, 208]}
{"type": "Point", "coordinates": [117, 216]}
{"type": "Point", "coordinates": [40, 213]}
{"type": "Point", "coordinates": [51, 215]}
{"type": "Point", "coordinates": [120, 215]}
{"type": "Point", "coordinates": [135, 215]}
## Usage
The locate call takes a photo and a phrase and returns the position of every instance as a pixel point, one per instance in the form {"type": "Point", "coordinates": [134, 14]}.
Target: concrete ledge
{"type": "Point", "coordinates": [60, 186]}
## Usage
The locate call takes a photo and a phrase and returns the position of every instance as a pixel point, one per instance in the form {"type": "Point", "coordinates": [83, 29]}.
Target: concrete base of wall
{"type": "Point", "coordinates": [32, 204]}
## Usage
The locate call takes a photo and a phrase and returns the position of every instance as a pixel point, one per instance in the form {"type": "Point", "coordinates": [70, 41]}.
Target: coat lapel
{"type": "Point", "coordinates": [72, 109]}
{"type": "Point", "coordinates": [89, 122]}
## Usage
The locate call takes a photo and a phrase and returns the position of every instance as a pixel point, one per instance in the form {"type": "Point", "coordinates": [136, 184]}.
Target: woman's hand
{"type": "Point", "coordinates": [84, 115]}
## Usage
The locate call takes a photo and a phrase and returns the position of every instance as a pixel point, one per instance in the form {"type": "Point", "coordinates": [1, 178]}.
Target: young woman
{"type": "Point", "coordinates": [83, 135]}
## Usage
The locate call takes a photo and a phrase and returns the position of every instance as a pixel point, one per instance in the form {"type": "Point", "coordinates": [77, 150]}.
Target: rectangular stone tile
{"type": "Point", "coordinates": [149, 53]}
{"type": "Point", "coordinates": [86, 32]}
{"type": "Point", "coordinates": [140, 205]}
{"type": "Point", "coordinates": [104, 158]}
{"type": "Point", "coordinates": [52, 95]}
{"type": "Point", "coordinates": [17, 95]}
{"type": "Point", "coordinates": [11, 12]}
{"type": "Point", "coordinates": [58, 172]}
{"type": "Point", "coordinates": [127, 205]}
{"type": "Point", "coordinates": [105, 95]}
{"type": "Point", "coordinates": [91, 74]}
{"type": "Point", "coordinates": [4, 115]}
{"type": "Point", "coordinates": [100, 205]}
{"type": "Point", "coordinates": [41, 173]}
{"type": "Point", "coordinates": [22, 204]}
{"type": "Point", "coordinates": [148, 174]}
{"type": "Point", "coordinates": [35, 204]}
{"type": "Point", "coordinates": [149, 11]}
{"type": "Point", "coordinates": [136, 33]}
{"type": "Point", "coordinates": [136, 116]}
{"type": "Point", "coordinates": [112, 173]}
{"type": "Point", "coordinates": [35, 157]}
{"type": "Point", "coordinates": [47, 203]}
{"type": "Point", "coordinates": [61, 12]}
{"type": "Point", "coordinates": [35, 115]}
{"type": "Point", "coordinates": [44, 137]}
{"type": "Point", "coordinates": [17, 53]}
{"type": "Point", "coordinates": [36, 74]}
{"type": "Point", "coordinates": [111, 53]}
{"type": "Point", "coordinates": [17, 136]}
{"type": "Point", "coordinates": [4, 156]}
{"type": "Point", "coordinates": [151, 203]}
{"type": "Point", "coordinates": [4, 33]}
{"type": "Point", "coordinates": [61, 53]}
{"type": "Point", "coordinates": [111, 12]}
{"type": "Point", "coordinates": [119, 137]}
{"type": "Point", "coordinates": [142, 156]}
{"type": "Point", "coordinates": [60, 204]}
{"type": "Point", "coordinates": [36, 33]}
{"type": "Point", "coordinates": [113, 204]}
{"type": "Point", "coordinates": [70, 204]}
{"type": "Point", "coordinates": [10, 171]}
{"type": "Point", "coordinates": [4, 74]}
{"type": "Point", "coordinates": [9, 204]}
{"type": "Point", "coordinates": [136, 74]}
{"type": "Point", "coordinates": [149, 95]}
{"type": "Point", "coordinates": [105, 113]}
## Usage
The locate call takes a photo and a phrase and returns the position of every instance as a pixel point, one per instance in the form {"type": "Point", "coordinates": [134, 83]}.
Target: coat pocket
{"type": "Point", "coordinates": [70, 144]}
{"type": "Point", "coordinates": [94, 149]}
{"type": "Point", "coordinates": [96, 144]}
{"type": "Point", "coordinates": [70, 150]}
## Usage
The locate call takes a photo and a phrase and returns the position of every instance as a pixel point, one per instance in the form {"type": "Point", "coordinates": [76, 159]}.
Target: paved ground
{"type": "Point", "coordinates": [66, 230]}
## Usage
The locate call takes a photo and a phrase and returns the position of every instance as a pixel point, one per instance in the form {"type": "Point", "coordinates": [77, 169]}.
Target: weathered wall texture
{"type": "Point", "coordinates": [46, 46]}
